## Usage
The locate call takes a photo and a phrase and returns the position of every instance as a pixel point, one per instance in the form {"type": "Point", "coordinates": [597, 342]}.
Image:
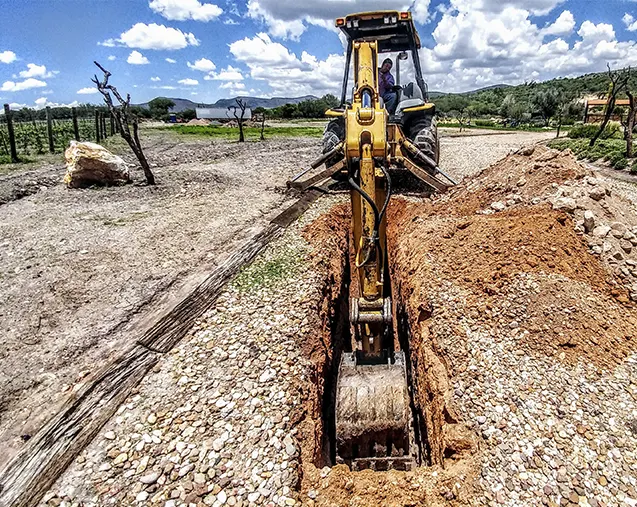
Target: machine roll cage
{"type": "Point", "coordinates": [393, 31]}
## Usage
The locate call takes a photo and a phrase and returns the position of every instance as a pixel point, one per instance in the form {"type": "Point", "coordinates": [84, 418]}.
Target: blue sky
{"type": "Point", "coordinates": [224, 48]}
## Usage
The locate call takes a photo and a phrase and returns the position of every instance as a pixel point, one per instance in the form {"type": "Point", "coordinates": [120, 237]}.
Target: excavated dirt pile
{"type": "Point", "coordinates": [537, 244]}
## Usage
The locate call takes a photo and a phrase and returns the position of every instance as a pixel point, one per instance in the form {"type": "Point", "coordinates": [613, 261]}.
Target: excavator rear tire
{"type": "Point", "coordinates": [423, 132]}
{"type": "Point", "coordinates": [333, 134]}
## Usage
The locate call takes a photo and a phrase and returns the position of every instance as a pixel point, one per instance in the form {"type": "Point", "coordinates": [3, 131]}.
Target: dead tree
{"type": "Point", "coordinates": [630, 122]}
{"type": "Point", "coordinates": [241, 106]}
{"type": "Point", "coordinates": [618, 81]}
{"type": "Point", "coordinates": [123, 118]}
{"type": "Point", "coordinates": [261, 118]}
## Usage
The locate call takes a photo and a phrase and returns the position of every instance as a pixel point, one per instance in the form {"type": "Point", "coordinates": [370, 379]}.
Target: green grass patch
{"type": "Point", "coordinates": [524, 128]}
{"type": "Point", "coordinates": [588, 131]}
{"type": "Point", "coordinates": [6, 159]}
{"type": "Point", "coordinates": [232, 133]}
{"type": "Point", "coordinates": [269, 272]}
{"type": "Point", "coordinates": [612, 151]}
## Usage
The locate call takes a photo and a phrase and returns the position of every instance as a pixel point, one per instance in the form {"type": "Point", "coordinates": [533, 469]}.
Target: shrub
{"type": "Point", "coordinates": [633, 168]}
{"type": "Point", "coordinates": [588, 130]}
{"type": "Point", "coordinates": [618, 160]}
{"type": "Point", "coordinates": [484, 123]}
{"type": "Point", "coordinates": [620, 164]}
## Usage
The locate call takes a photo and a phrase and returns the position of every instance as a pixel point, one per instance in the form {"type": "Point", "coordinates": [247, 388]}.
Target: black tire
{"type": "Point", "coordinates": [423, 132]}
{"type": "Point", "coordinates": [333, 135]}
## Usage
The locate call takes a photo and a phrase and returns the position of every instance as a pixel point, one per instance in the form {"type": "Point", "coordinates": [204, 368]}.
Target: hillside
{"type": "Point", "coordinates": [488, 100]}
{"type": "Point", "coordinates": [183, 104]}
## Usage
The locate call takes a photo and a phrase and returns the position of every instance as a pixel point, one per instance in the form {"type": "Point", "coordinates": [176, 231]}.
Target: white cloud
{"type": "Point", "coordinates": [231, 85]}
{"type": "Point", "coordinates": [288, 19]}
{"type": "Point", "coordinates": [89, 90]}
{"type": "Point", "coordinates": [136, 58]}
{"type": "Point", "coordinates": [263, 51]}
{"type": "Point", "coordinates": [203, 64]}
{"type": "Point", "coordinates": [165, 87]}
{"type": "Point", "coordinates": [230, 73]}
{"type": "Point", "coordinates": [157, 78]}
{"type": "Point", "coordinates": [7, 57]}
{"type": "Point", "coordinates": [180, 10]}
{"type": "Point", "coordinates": [628, 19]}
{"type": "Point", "coordinates": [283, 71]}
{"type": "Point", "coordinates": [43, 102]}
{"type": "Point", "coordinates": [153, 36]}
{"type": "Point", "coordinates": [536, 7]}
{"type": "Point", "coordinates": [111, 58]}
{"type": "Point", "coordinates": [34, 70]}
{"type": "Point", "coordinates": [232, 89]}
{"type": "Point", "coordinates": [474, 47]}
{"type": "Point", "coordinates": [170, 60]}
{"type": "Point", "coordinates": [188, 82]}
{"type": "Point", "coordinates": [563, 25]}
{"type": "Point", "coordinates": [11, 86]}
{"type": "Point", "coordinates": [230, 21]}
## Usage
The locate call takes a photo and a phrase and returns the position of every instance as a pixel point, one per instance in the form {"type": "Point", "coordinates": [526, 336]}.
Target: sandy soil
{"type": "Point", "coordinates": [81, 269]}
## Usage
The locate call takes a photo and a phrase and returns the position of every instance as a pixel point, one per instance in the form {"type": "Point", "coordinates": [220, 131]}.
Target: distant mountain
{"type": "Point", "coordinates": [267, 103]}
{"type": "Point", "coordinates": [436, 94]}
{"type": "Point", "coordinates": [252, 102]}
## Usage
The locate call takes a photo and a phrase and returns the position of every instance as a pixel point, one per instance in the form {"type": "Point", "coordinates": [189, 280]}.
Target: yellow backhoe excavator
{"type": "Point", "coordinates": [362, 144]}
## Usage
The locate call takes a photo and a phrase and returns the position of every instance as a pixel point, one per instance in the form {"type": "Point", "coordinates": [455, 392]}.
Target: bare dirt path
{"type": "Point", "coordinates": [80, 269]}
{"type": "Point", "coordinates": [467, 155]}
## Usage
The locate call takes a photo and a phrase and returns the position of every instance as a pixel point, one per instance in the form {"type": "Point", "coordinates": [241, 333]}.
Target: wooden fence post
{"type": "Point", "coordinates": [97, 126]}
{"type": "Point", "coordinates": [76, 128]}
{"type": "Point", "coordinates": [112, 125]}
{"type": "Point", "coordinates": [49, 129]}
{"type": "Point", "coordinates": [12, 145]}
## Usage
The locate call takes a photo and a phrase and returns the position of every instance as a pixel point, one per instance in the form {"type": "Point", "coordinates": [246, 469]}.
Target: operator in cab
{"type": "Point", "coordinates": [386, 86]}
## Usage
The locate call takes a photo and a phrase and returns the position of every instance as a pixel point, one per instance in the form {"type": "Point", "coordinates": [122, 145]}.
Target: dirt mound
{"type": "Point", "coordinates": [198, 121]}
{"type": "Point", "coordinates": [518, 222]}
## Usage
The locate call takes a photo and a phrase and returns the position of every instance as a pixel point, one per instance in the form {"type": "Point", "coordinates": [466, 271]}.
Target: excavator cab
{"type": "Point", "coordinates": [362, 143]}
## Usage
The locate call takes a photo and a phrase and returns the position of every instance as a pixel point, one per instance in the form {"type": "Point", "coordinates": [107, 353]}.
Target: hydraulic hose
{"type": "Point", "coordinates": [378, 215]}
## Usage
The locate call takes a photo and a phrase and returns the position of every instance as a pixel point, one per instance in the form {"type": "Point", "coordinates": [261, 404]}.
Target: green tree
{"type": "Point", "coordinates": [187, 114]}
{"type": "Point", "coordinates": [547, 103]}
{"type": "Point", "coordinates": [159, 107]}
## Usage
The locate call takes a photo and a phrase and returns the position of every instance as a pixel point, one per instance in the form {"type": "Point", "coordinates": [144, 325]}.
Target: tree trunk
{"type": "Point", "coordinates": [120, 115]}
{"type": "Point", "coordinates": [241, 136]}
{"type": "Point", "coordinates": [607, 114]}
{"type": "Point", "coordinates": [148, 174]}
{"type": "Point", "coordinates": [629, 126]}
{"type": "Point", "coordinates": [262, 138]}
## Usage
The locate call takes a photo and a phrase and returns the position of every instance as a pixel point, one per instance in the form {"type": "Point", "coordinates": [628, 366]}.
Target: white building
{"type": "Point", "coordinates": [221, 114]}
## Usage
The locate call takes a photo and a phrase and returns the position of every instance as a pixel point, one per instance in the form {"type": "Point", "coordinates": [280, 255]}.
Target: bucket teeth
{"type": "Point", "coordinates": [373, 416]}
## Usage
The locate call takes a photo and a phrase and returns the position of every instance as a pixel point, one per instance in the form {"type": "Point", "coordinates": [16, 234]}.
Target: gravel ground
{"type": "Point", "coordinates": [82, 270]}
{"type": "Point", "coordinates": [211, 424]}
{"type": "Point", "coordinates": [553, 434]}
{"type": "Point", "coordinates": [463, 156]}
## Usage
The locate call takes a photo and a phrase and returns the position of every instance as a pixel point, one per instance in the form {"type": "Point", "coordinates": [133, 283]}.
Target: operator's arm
{"type": "Point", "coordinates": [390, 81]}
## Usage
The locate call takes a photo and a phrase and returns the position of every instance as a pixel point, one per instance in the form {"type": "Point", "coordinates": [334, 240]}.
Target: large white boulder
{"type": "Point", "coordinates": [91, 164]}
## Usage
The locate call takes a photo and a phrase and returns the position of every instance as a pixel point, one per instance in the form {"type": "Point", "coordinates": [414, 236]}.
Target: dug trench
{"type": "Point", "coordinates": [442, 446]}
{"type": "Point", "coordinates": [468, 284]}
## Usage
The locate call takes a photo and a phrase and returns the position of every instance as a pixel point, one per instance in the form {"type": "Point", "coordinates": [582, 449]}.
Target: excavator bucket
{"type": "Point", "coordinates": [373, 415]}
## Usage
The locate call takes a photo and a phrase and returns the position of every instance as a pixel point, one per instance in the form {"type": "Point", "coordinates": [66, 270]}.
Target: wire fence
{"type": "Point", "coordinates": [22, 138]}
